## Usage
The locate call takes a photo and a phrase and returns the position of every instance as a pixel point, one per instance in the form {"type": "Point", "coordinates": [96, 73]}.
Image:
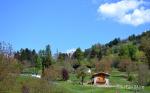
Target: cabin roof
{"type": "Point", "coordinates": [100, 73]}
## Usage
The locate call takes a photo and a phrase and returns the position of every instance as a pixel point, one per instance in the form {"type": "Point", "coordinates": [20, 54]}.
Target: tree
{"type": "Point", "coordinates": [9, 70]}
{"type": "Point", "coordinates": [38, 62]}
{"type": "Point", "coordinates": [104, 65]}
{"type": "Point", "coordinates": [124, 63]}
{"type": "Point", "coordinates": [132, 37]}
{"type": "Point", "coordinates": [145, 46]}
{"type": "Point", "coordinates": [26, 56]}
{"type": "Point", "coordinates": [96, 51]}
{"type": "Point", "coordinates": [132, 67]}
{"type": "Point", "coordinates": [87, 53]}
{"type": "Point", "coordinates": [113, 42]}
{"type": "Point", "coordinates": [42, 57]}
{"type": "Point", "coordinates": [128, 50]}
{"type": "Point", "coordinates": [81, 73]}
{"type": "Point", "coordinates": [78, 54]}
{"type": "Point", "coordinates": [48, 56]}
{"type": "Point", "coordinates": [6, 49]}
{"type": "Point", "coordinates": [132, 51]}
{"type": "Point", "coordinates": [62, 57]}
{"type": "Point", "coordinates": [75, 64]}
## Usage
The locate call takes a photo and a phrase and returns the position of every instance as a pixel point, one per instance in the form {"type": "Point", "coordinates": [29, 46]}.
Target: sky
{"type": "Point", "coordinates": [69, 24]}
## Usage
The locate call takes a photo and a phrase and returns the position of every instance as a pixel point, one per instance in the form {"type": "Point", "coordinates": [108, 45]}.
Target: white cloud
{"type": "Point", "coordinates": [130, 12]}
{"type": "Point", "coordinates": [71, 50]}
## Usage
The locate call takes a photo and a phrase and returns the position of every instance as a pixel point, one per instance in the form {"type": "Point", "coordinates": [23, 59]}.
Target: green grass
{"type": "Point", "coordinates": [31, 70]}
{"type": "Point", "coordinates": [118, 77]}
{"type": "Point", "coordinates": [76, 88]}
{"type": "Point", "coordinates": [147, 89]}
{"type": "Point", "coordinates": [73, 86]}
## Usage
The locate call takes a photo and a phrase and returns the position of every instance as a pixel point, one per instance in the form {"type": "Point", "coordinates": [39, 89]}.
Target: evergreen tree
{"type": "Point", "coordinates": [48, 56]}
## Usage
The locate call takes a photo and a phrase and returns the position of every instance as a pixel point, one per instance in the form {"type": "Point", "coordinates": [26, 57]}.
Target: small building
{"type": "Point", "coordinates": [100, 78]}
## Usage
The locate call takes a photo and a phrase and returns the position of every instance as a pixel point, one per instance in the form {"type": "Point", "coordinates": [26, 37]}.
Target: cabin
{"type": "Point", "coordinates": [100, 78]}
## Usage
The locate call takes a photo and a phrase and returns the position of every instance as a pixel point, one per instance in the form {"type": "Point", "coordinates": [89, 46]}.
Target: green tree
{"type": "Point", "coordinates": [145, 46]}
{"type": "Point", "coordinates": [132, 51]}
{"type": "Point", "coordinates": [42, 57]}
{"type": "Point", "coordinates": [113, 42]}
{"type": "Point", "coordinates": [78, 54]}
{"type": "Point", "coordinates": [81, 73]}
{"type": "Point", "coordinates": [38, 62]}
{"type": "Point", "coordinates": [96, 51]}
{"type": "Point", "coordinates": [48, 56]}
{"type": "Point", "coordinates": [62, 57]}
{"type": "Point", "coordinates": [128, 51]}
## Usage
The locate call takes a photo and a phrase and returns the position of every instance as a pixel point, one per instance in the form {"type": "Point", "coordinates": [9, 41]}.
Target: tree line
{"type": "Point", "coordinates": [126, 55]}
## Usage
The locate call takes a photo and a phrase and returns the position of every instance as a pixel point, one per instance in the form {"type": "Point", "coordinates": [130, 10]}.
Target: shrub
{"type": "Point", "coordinates": [81, 73]}
{"type": "Point", "coordinates": [104, 65]}
{"type": "Point", "coordinates": [65, 74]}
{"type": "Point", "coordinates": [143, 74]}
{"type": "Point", "coordinates": [9, 70]}
{"type": "Point", "coordinates": [33, 85]}
{"type": "Point", "coordinates": [130, 78]}
{"type": "Point", "coordinates": [123, 64]}
{"type": "Point", "coordinates": [52, 73]}
{"type": "Point", "coordinates": [25, 89]}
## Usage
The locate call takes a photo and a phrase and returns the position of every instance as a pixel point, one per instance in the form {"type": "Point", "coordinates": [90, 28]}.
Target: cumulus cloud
{"type": "Point", "coordinates": [131, 12]}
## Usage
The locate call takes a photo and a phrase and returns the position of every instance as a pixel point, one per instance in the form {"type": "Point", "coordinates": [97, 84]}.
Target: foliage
{"type": "Point", "coordinates": [145, 46]}
{"type": "Point", "coordinates": [78, 54]}
{"type": "Point", "coordinates": [9, 70]}
{"type": "Point", "coordinates": [81, 73]}
{"type": "Point", "coordinates": [6, 49]}
{"type": "Point", "coordinates": [104, 65]}
{"type": "Point", "coordinates": [26, 56]}
{"type": "Point", "coordinates": [128, 50]}
{"type": "Point", "coordinates": [132, 67]}
{"type": "Point", "coordinates": [96, 51]}
{"type": "Point", "coordinates": [65, 74]}
{"type": "Point", "coordinates": [38, 62]}
{"type": "Point", "coordinates": [143, 74]}
{"type": "Point", "coordinates": [124, 63]}
{"type": "Point", "coordinates": [75, 64]}
{"type": "Point", "coordinates": [113, 42]}
{"type": "Point", "coordinates": [33, 85]}
{"type": "Point", "coordinates": [52, 73]}
{"type": "Point", "coordinates": [62, 57]}
{"type": "Point", "coordinates": [46, 58]}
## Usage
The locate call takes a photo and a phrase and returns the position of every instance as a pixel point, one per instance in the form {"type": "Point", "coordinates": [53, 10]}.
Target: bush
{"type": "Point", "coordinates": [9, 70]}
{"type": "Point", "coordinates": [51, 73]}
{"type": "Point", "coordinates": [124, 64]}
{"type": "Point", "coordinates": [130, 78]}
{"type": "Point", "coordinates": [32, 85]}
{"type": "Point", "coordinates": [104, 65]}
{"type": "Point", "coordinates": [65, 74]}
{"type": "Point", "coordinates": [143, 74]}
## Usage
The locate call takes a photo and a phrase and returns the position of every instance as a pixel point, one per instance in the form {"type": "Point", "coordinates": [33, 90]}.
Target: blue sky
{"type": "Point", "coordinates": [65, 24]}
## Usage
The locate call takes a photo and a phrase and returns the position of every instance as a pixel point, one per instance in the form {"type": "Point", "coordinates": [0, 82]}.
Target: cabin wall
{"type": "Point", "coordinates": [97, 78]}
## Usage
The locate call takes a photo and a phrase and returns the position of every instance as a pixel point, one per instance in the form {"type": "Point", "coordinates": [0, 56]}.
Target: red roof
{"type": "Point", "coordinates": [100, 73]}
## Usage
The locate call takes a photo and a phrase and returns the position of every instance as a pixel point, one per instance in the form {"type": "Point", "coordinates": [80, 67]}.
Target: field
{"type": "Point", "coordinates": [73, 86]}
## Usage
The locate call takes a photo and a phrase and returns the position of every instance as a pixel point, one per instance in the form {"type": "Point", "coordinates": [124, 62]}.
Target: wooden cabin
{"type": "Point", "coordinates": [100, 78]}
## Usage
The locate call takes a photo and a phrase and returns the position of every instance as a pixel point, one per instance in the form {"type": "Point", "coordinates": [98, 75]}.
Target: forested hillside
{"type": "Point", "coordinates": [130, 56]}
